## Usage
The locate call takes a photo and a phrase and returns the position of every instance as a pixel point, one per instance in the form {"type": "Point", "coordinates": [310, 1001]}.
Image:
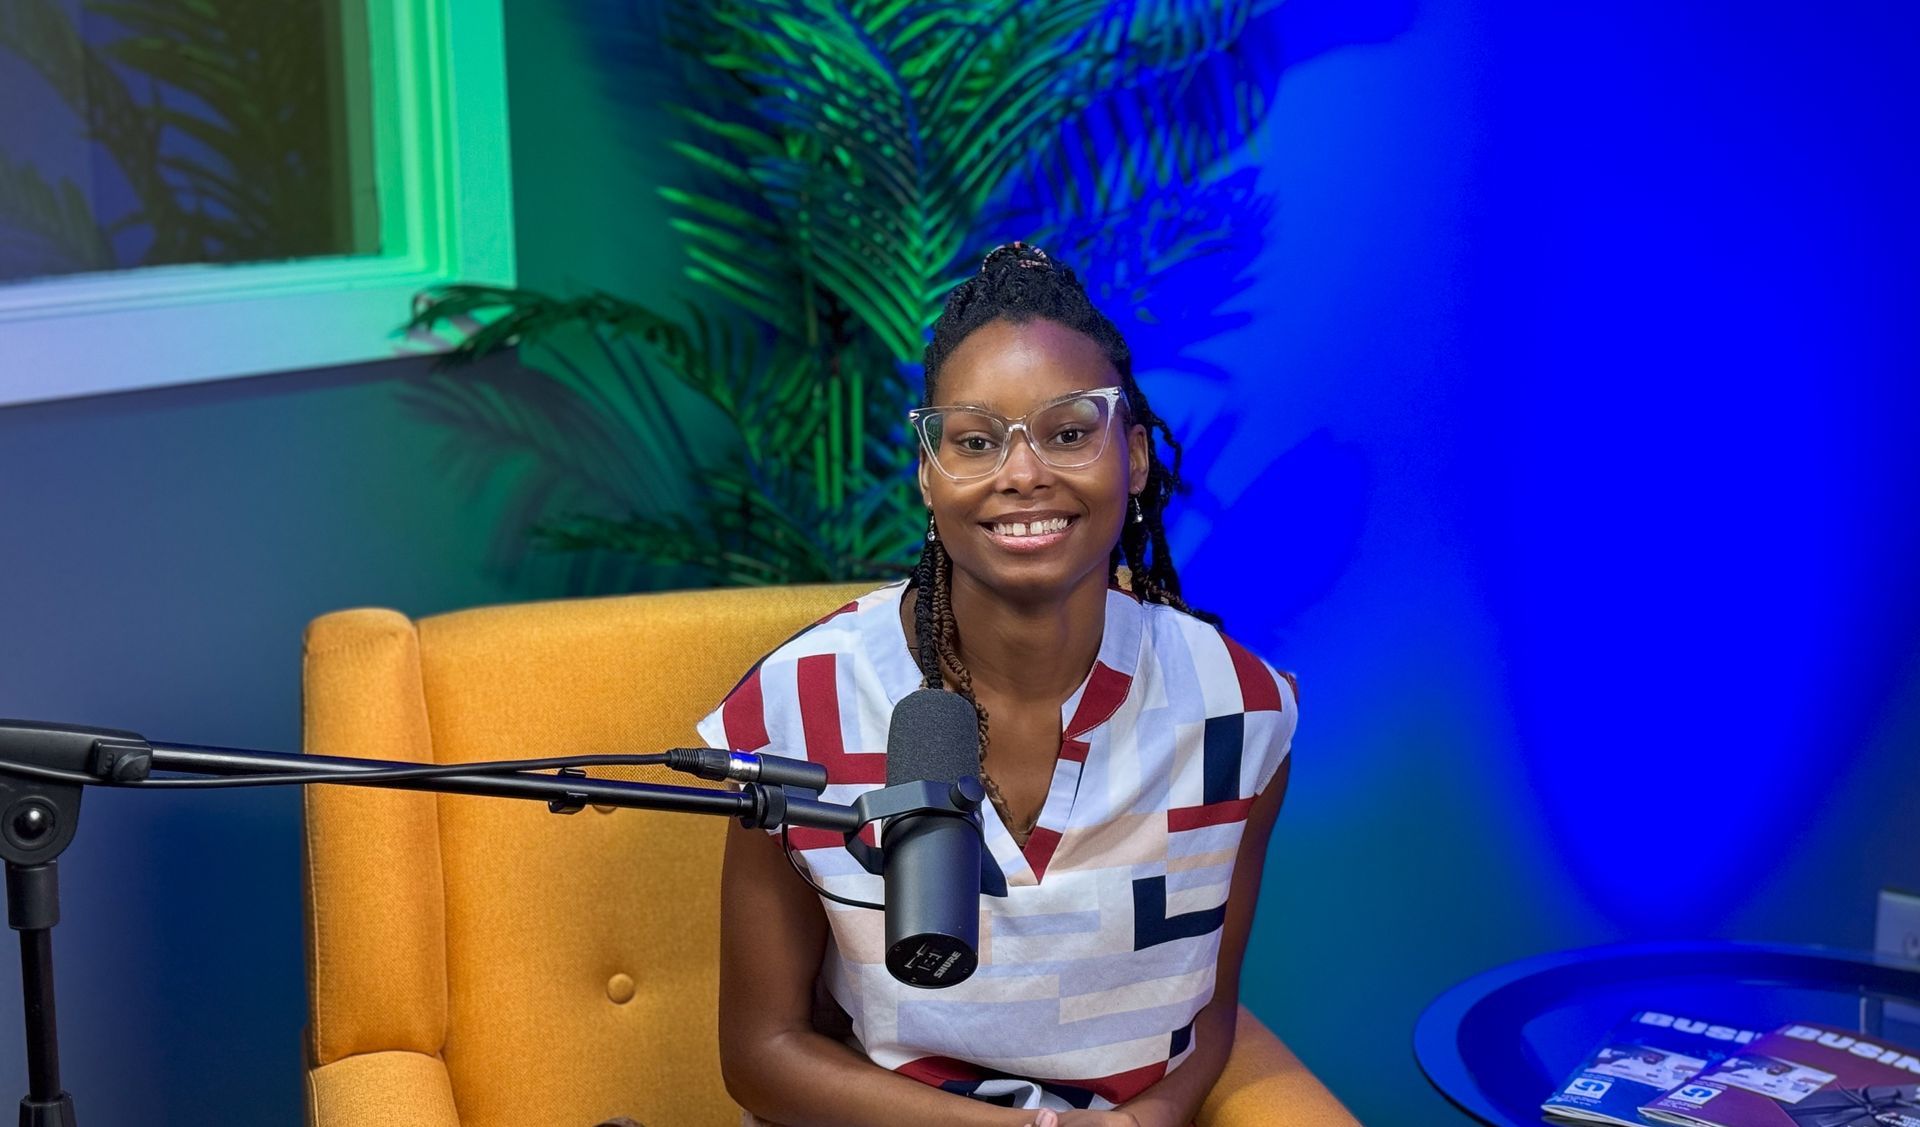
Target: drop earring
{"type": "Point", "coordinates": [933, 534]}
{"type": "Point", "coordinates": [1138, 514]}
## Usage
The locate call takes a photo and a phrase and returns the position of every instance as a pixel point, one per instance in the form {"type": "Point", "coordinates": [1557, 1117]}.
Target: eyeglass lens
{"type": "Point", "coordinates": [967, 443]}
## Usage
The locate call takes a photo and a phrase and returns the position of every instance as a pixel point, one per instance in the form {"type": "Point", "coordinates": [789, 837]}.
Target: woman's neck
{"type": "Point", "coordinates": [1038, 650]}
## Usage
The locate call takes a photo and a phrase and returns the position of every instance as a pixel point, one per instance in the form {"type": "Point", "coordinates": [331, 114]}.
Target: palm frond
{"type": "Point", "coordinates": [56, 221]}
{"type": "Point", "coordinates": [244, 172]}
{"type": "Point", "coordinates": [514, 316]}
{"type": "Point", "coordinates": [843, 157]}
{"type": "Point", "coordinates": [41, 34]}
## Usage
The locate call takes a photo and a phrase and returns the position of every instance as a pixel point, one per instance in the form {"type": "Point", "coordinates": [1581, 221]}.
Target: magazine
{"type": "Point", "coordinates": [1644, 1056]}
{"type": "Point", "coordinates": [1801, 1076]}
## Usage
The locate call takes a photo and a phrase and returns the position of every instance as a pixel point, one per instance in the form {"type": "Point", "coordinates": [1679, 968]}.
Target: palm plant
{"type": "Point", "coordinates": [847, 159]}
{"type": "Point", "coordinates": [219, 115]}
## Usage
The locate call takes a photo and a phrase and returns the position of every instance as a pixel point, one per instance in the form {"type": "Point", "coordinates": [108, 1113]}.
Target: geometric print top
{"type": "Point", "coordinates": [1101, 953]}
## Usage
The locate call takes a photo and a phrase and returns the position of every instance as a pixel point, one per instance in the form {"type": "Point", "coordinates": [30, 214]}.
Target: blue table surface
{"type": "Point", "coordinates": [1501, 1042]}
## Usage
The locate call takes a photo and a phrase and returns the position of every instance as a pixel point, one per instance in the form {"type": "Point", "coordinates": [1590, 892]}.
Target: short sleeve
{"type": "Point", "coordinates": [1269, 709]}
{"type": "Point", "coordinates": [739, 722]}
{"type": "Point", "coordinates": [819, 697]}
{"type": "Point", "coordinates": [1280, 739]}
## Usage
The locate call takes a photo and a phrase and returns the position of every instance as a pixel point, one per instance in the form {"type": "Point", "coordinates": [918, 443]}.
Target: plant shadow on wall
{"type": "Point", "coordinates": [158, 132]}
{"type": "Point", "coordinates": [845, 164]}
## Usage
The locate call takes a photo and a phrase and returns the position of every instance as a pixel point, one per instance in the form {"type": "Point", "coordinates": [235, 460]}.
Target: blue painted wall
{"type": "Point", "coordinates": [1573, 448]}
{"type": "Point", "coordinates": [1567, 451]}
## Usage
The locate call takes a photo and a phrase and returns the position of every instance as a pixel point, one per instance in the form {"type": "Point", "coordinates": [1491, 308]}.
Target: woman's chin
{"type": "Point", "coordinates": [1032, 577]}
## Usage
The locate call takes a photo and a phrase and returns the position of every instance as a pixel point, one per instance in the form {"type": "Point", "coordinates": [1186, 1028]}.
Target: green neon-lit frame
{"type": "Point", "coordinates": [437, 73]}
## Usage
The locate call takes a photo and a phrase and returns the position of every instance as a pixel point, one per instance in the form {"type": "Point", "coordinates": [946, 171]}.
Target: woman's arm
{"type": "Point", "coordinates": [773, 933]}
{"type": "Point", "coordinates": [1176, 1099]}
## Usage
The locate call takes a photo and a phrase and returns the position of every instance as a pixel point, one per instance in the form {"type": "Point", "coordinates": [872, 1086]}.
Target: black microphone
{"type": "Point", "coordinates": [931, 859]}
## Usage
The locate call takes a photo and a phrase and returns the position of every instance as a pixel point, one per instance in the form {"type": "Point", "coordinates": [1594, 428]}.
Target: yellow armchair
{"type": "Point", "coordinates": [474, 962]}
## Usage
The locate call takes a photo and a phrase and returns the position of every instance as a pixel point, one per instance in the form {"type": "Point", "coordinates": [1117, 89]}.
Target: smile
{"type": "Point", "coordinates": [1029, 535]}
{"type": "Point", "coordinates": [1033, 528]}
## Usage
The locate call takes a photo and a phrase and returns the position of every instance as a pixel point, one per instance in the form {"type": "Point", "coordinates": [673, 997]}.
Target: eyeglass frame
{"type": "Point", "coordinates": [1116, 403]}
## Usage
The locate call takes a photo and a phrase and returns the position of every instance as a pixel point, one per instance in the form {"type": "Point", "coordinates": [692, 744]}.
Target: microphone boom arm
{"type": "Point", "coordinates": [44, 769]}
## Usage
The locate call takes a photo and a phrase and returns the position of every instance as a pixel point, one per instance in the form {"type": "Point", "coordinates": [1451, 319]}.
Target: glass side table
{"type": "Point", "coordinates": [1499, 1043]}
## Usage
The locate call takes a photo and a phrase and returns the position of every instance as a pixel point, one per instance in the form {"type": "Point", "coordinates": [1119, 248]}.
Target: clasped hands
{"type": "Point", "coordinates": [1048, 1118]}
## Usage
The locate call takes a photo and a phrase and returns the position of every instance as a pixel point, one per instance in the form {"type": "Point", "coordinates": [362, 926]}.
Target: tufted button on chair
{"type": "Point", "coordinates": [477, 962]}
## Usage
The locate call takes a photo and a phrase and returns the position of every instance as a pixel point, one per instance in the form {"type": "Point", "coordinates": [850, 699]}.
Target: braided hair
{"type": "Point", "coordinates": [1020, 283]}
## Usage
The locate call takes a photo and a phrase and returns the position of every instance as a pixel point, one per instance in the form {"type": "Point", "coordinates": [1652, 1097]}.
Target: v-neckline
{"type": "Point", "coordinates": [1098, 696]}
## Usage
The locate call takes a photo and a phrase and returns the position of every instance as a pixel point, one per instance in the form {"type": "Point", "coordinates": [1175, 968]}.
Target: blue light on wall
{"type": "Point", "coordinates": [1607, 303]}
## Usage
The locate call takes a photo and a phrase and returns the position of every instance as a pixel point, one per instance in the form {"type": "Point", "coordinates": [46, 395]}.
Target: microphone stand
{"type": "Point", "coordinates": [44, 768]}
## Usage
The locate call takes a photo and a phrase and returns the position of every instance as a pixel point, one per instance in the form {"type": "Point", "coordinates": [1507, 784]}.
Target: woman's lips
{"type": "Point", "coordinates": [1032, 535]}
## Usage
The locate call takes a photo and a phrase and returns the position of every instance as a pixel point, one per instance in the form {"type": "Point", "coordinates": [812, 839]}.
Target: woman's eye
{"type": "Point", "coordinates": [1069, 436]}
{"type": "Point", "coordinates": [974, 443]}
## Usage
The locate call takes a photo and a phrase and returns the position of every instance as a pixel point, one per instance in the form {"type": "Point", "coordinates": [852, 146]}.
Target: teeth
{"type": "Point", "coordinates": [1036, 528]}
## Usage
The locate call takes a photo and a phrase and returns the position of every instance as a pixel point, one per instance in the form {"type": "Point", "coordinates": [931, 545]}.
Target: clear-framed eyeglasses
{"type": "Point", "coordinates": [969, 443]}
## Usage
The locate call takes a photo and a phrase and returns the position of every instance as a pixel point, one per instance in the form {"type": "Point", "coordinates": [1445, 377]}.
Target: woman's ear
{"type": "Point", "coordinates": [926, 495]}
{"type": "Point", "coordinates": [1139, 454]}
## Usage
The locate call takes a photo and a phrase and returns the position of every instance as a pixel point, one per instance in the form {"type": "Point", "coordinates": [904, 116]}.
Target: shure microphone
{"type": "Point", "coordinates": [930, 860]}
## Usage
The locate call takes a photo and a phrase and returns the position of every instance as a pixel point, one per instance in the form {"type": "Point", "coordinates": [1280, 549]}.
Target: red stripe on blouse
{"type": "Point", "coordinates": [1258, 692]}
{"type": "Point", "coordinates": [854, 605]}
{"type": "Point", "coordinates": [806, 837]}
{"type": "Point", "coordinates": [819, 694]}
{"type": "Point", "coordinates": [1106, 689]}
{"type": "Point", "coordinates": [1039, 851]}
{"type": "Point", "coordinates": [1116, 1089]}
{"type": "Point", "coordinates": [744, 715]}
{"type": "Point", "coordinates": [1212, 814]}
{"type": "Point", "coordinates": [1121, 1086]}
{"type": "Point", "coordinates": [935, 1071]}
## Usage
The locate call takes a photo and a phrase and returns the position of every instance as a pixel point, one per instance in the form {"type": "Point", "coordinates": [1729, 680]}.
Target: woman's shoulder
{"type": "Point", "coordinates": [1244, 701]}
{"type": "Point", "coordinates": [1201, 650]}
{"type": "Point", "coordinates": [804, 679]}
{"type": "Point", "coordinates": [847, 628]}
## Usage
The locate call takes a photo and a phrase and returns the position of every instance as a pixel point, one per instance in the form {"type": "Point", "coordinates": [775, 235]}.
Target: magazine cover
{"type": "Point", "coordinates": [1801, 1076]}
{"type": "Point", "coordinates": [1644, 1056]}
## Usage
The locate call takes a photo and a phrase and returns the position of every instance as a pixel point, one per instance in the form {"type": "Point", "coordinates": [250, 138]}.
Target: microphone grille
{"type": "Point", "coordinates": [934, 735]}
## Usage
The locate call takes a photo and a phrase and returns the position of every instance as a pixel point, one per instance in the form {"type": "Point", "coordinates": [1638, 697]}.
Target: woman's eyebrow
{"type": "Point", "coordinates": [985, 410]}
{"type": "Point", "coordinates": [1063, 397]}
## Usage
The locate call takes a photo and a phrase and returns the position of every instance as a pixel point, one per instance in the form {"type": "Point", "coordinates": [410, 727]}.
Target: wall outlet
{"type": "Point", "coordinates": [1896, 931]}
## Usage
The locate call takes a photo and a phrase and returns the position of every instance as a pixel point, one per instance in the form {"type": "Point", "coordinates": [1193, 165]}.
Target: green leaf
{"type": "Point", "coordinates": [58, 218]}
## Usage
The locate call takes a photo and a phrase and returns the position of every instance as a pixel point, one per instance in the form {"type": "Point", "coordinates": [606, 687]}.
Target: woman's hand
{"type": "Point", "coordinates": [1046, 1118]}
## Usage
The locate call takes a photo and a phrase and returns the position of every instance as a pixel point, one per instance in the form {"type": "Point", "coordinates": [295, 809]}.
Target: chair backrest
{"type": "Point", "coordinates": [559, 970]}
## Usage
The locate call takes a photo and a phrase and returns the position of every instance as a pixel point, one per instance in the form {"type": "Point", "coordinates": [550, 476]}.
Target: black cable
{"type": "Point", "coordinates": [794, 860]}
{"type": "Point", "coordinates": [51, 774]}
{"type": "Point", "coordinates": [386, 774]}
{"type": "Point", "coordinates": [395, 774]}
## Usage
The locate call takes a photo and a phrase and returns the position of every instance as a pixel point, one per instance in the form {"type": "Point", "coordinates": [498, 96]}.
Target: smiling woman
{"type": "Point", "coordinates": [1136, 760]}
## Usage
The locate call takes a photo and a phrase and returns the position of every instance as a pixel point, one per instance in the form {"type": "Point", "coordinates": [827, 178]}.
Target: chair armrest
{"type": "Point", "coordinates": [1265, 1085]}
{"type": "Point", "coordinates": [390, 1089]}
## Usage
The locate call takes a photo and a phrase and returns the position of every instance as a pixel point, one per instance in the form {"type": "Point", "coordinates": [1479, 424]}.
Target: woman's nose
{"type": "Point", "coordinates": [1024, 467]}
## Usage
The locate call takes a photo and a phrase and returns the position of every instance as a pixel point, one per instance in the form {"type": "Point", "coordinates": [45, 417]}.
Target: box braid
{"type": "Point", "coordinates": [1020, 283]}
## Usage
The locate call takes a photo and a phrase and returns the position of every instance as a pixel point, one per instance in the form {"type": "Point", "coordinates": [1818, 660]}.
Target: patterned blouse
{"type": "Point", "coordinates": [1095, 963]}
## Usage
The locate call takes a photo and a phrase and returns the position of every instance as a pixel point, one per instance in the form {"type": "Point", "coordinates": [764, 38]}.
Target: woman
{"type": "Point", "coordinates": [1135, 758]}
